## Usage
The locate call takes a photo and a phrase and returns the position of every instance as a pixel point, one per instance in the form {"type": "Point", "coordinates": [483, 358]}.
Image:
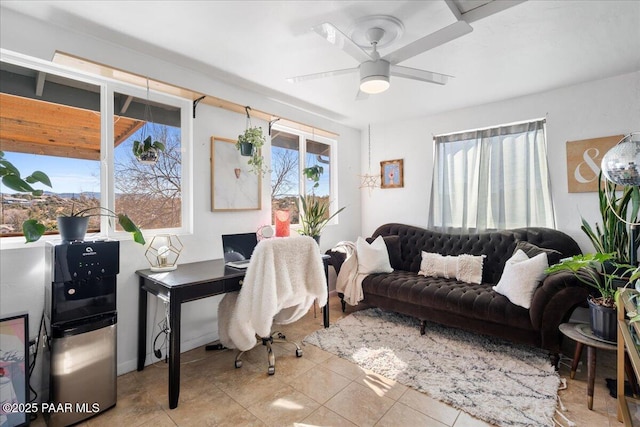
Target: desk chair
{"type": "Point", "coordinates": [284, 278]}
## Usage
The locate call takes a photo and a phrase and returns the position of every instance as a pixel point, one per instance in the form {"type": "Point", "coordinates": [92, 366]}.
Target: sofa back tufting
{"type": "Point", "coordinates": [498, 246]}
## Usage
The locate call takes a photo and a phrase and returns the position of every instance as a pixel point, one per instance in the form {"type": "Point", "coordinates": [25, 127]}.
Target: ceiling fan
{"type": "Point", "coordinates": [375, 71]}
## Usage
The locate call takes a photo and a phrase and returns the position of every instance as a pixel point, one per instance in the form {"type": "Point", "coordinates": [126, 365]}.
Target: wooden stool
{"type": "Point", "coordinates": [582, 335]}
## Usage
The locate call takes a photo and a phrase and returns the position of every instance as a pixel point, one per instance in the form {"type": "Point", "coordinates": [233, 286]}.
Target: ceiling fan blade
{"type": "Point", "coordinates": [298, 79]}
{"type": "Point", "coordinates": [334, 36]}
{"type": "Point", "coordinates": [422, 75]}
{"type": "Point", "coordinates": [442, 36]}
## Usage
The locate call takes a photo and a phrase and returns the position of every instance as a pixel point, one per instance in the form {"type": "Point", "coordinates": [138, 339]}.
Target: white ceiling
{"type": "Point", "coordinates": [532, 47]}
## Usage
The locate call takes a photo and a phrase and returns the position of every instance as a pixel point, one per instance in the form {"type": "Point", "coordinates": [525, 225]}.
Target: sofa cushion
{"type": "Point", "coordinates": [475, 301]}
{"type": "Point", "coordinates": [465, 268]}
{"type": "Point", "coordinates": [393, 249]}
{"type": "Point", "coordinates": [553, 256]}
{"type": "Point", "coordinates": [372, 258]}
{"type": "Point", "coordinates": [521, 277]}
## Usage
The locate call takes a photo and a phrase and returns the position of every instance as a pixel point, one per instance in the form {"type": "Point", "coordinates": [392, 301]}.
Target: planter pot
{"type": "Point", "coordinates": [603, 322]}
{"type": "Point", "coordinates": [72, 228]}
{"type": "Point", "coordinates": [246, 149]}
{"type": "Point", "coordinates": [317, 239]}
{"type": "Point", "coordinates": [149, 157]}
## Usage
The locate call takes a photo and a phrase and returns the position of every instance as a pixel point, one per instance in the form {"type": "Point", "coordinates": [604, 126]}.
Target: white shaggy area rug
{"type": "Point", "coordinates": [502, 383]}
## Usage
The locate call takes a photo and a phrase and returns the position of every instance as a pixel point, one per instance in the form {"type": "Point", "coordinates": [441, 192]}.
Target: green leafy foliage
{"type": "Point", "coordinates": [33, 229]}
{"type": "Point", "coordinates": [142, 147]}
{"type": "Point", "coordinates": [315, 211]}
{"type": "Point", "coordinates": [612, 234]}
{"type": "Point", "coordinates": [597, 270]}
{"type": "Point", "coordinates": [254, 136]}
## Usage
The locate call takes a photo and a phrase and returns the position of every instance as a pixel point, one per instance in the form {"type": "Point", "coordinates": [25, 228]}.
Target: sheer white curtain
{"type": "Point", "coordinates": [492, 179]}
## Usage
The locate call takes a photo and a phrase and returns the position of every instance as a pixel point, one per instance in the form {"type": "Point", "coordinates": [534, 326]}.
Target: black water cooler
{"type": "Point", "coordinates": [79, 367]}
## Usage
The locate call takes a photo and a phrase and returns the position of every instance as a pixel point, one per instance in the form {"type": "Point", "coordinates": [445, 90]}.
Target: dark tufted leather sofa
{"type": "Point", "coordinates": [475, 307]}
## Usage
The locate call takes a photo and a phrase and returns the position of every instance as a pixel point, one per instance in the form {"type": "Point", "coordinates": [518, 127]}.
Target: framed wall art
{"type": "Point", "coordinates": [392, 173]}
{"type": "Point", "coordinates": [233, 186]}
{"type": "Point", "coordinates": [583, 162]}
{"type": "Point", "coordinates": [14, 370]}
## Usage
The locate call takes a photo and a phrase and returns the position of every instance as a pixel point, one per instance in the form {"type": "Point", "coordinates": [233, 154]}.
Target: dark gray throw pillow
{"type": "Point", "coordinates": [532, 250]}
{"type": "Point", "coordinates": [393, 248]}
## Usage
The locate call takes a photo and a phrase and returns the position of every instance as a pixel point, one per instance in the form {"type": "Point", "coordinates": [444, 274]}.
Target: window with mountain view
{"type": "Point", "coordinates": [54, 124]}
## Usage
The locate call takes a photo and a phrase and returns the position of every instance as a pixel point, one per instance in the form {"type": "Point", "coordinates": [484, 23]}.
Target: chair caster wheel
{"type": "Point", "coordinates": [271, 370]}
{"type": "Point", "coordinates": [238, 364]}
{"type": "Point", "coordinates": [299, 352]}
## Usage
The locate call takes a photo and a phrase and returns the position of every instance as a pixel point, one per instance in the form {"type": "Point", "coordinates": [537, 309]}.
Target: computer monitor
{"type": "Point", "coordinates": [237, 247]}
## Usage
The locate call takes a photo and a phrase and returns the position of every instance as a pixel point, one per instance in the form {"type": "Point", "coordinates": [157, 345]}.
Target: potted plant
{"type": "Point", "coordinates": [75, 223]}
{"type": "Point", "coordinates": [147, 151]}
{"type": "Point", "coordinates": [315, 210]}
{"type": "Point", "coordinates": [612, 236]}
{"type": "Point", "coordinates": [250, 143]}
{"type": "Point", "coordinates": [590, 270]}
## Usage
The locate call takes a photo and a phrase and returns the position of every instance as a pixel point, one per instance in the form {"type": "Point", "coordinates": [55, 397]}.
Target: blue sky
{"type": "Point", "coordinates": [67, 175]}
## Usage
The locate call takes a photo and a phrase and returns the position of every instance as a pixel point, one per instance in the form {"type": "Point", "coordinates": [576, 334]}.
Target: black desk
{"type": "Point", "coordinates": [189, 282]}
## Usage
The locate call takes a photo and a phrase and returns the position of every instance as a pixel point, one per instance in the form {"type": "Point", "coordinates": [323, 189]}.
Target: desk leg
{"type": "Point", "coordinates": [591, 374]}
{"type": "Point", "coordinates": [142, 325]}
{"type": "Point", "coordinates": [325, 309]}
{"type": "Point", "coordinates": [174, 351]}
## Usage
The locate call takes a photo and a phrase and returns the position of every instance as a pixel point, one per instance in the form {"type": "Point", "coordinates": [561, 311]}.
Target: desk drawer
{"type": "Point", "coordinates": [233, 284]}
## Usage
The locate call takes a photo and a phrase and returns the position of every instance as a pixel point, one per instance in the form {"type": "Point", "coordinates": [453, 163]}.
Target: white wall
{"type": "Point", "coordinates": [589, 110]}
{"type": "Point", "coordinates": [22, 270]}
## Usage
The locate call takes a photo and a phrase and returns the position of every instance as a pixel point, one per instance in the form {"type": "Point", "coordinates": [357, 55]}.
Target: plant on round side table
{"type": "Point", "coordinates": [598, 271]}
{"type": "Point", "coordinates": [76, 222]}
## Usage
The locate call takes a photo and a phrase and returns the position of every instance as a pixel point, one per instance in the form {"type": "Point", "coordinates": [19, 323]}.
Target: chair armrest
{"type": "Point", "coordinates": [552, 304]}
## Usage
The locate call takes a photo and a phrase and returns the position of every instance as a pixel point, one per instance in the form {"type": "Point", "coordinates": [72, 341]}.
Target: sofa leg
{"type": "Point", "coordinates": [554, 358]}
{"type": "Point", "coordinates": [423, 327]}
{"type": "Point", "coordinates": [342, 303]}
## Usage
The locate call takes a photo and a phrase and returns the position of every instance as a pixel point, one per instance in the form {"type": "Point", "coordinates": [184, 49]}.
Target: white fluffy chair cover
{"type": "Point", "coordinates": [283, 279]}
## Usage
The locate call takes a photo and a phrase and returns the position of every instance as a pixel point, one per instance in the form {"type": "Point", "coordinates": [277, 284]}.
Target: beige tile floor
{"type": "Point", "coordinates": [318, 389]}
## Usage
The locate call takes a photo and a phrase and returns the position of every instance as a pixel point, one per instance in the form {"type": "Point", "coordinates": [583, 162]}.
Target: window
{"type": "Point", "coordinates": [291, 152]}
{"type": "Point", "coordinates": [151, 193]}
{"type": "Point", "coordinates": [56, 121]}
{"type": "Point", "coordinates": [495, 178]}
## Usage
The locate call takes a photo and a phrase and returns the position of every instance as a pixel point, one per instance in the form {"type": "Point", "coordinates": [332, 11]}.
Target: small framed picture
{"type": "Point", "coordinates": [392, 173]}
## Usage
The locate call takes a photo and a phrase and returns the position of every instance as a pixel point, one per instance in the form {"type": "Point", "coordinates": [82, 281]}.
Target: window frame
{"type": "Point", "coordinates": [303, 136]}
{"type": "Point", "coordinates": [107, 190]}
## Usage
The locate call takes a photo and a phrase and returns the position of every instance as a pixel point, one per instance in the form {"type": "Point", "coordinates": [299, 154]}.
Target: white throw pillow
{"type": "Point", "coordinates": [373, 258]}
{"type": "Point", "coordinates": [521, 277]}
{"type": "Point", "coordinates": [465, 268]}
{"type": "Point", "coordinates": [470, 268]}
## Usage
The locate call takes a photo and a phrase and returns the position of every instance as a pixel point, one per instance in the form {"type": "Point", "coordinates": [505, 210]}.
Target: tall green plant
{"type": "Point", "coordinates": [612, 235]}
{"type": "Point", "coordinates": [315, 211]}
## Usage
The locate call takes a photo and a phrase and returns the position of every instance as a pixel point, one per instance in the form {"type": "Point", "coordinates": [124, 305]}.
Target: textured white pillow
{"type": "Point", "coordinates": [470, 268]}
{"type": "Point", "coordinates": [373, 258]}
{"type": "Point", "coordinates": [465, 268]}
{"type": "Point", "coordinates": [521, 277]}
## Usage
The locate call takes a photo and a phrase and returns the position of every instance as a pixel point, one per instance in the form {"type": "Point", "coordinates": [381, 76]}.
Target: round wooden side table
{"type": "Point", "coordinates": [583, 336]}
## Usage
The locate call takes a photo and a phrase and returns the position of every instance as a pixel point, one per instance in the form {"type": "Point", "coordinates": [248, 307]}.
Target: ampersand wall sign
{"type": "Point", "coordinates": [583, 162]}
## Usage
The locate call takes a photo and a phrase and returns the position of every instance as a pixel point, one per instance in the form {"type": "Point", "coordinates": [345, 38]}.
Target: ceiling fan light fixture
{"type": "Point", "coordinates": [374, 76]}
{"type": "Point", "coordinates": [374, 84]}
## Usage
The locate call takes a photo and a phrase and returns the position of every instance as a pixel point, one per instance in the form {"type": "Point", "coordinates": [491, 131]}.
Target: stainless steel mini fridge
{"type": "Point", "coordinates": [79, 371]}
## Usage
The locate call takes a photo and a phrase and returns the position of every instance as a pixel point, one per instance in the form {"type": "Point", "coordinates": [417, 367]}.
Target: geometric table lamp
{"type": "Point", "coordinates": [163, 252]}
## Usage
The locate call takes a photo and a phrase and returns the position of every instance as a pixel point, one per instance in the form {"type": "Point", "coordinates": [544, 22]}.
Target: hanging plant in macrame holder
{"type": "Point", "coordinates": [145, 149]}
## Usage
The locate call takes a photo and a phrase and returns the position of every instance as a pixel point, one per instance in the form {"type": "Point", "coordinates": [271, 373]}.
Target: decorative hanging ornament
{"type": "Point", "coordinates": [369, 180]}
